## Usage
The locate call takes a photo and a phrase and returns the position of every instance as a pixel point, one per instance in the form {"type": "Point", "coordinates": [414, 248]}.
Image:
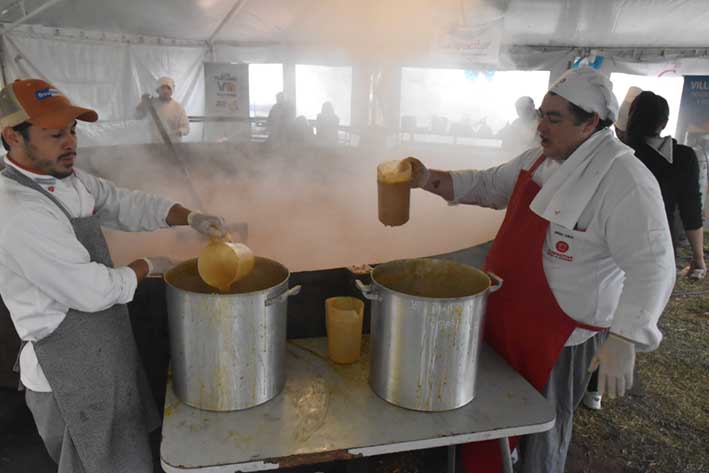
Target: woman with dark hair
{"type": "Point", "coordinates": [675, 168]}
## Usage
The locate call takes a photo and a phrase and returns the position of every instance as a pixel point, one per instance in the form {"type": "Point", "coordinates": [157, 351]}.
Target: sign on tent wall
{"type": "Point", "coordinates": [694, 108]}
{"type": "Point", "coordinates": [226, 101]}
{"type": "Point", "coordinates": [470, 46]}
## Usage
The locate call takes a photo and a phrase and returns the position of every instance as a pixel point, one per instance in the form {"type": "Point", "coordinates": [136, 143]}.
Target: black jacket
{"type": "Point", "coordinates": [679, 182]}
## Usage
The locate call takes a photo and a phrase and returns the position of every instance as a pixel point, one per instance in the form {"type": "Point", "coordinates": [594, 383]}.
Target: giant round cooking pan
{"type": "Point", "coordinates": [426, 331]}
{"type": "Point", "coordinates": [228, 349]}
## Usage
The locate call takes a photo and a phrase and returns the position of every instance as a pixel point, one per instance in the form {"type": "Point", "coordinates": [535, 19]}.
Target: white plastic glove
{"type": "Point", "coordinates": [159, 265]}
{"type": "Point", "coordinates": [206, 224]}
{"type": "Point", "coordinates": [615, 360]}
{"type": "Point", "coordinates": [419, 173]}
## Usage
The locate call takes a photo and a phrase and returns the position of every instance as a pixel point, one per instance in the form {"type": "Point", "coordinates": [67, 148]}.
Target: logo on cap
{"type": "Point", "coordinates": [46, 93]}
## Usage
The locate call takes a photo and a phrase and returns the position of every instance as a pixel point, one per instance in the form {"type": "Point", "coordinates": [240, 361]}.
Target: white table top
{"type": "Point", "coordinates": [328, 412]}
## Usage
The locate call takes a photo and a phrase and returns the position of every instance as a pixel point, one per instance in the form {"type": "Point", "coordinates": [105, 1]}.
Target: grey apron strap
{"type": "Point", "coordinates": [92, 364]}
{"type": "Point", "coordinates": [15, 175]}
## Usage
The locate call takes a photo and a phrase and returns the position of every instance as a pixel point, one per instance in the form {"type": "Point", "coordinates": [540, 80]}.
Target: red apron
{"type": "Point", "coordinates": [524, 323]}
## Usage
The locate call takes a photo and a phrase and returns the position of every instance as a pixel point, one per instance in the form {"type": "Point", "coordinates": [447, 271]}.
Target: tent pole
{"type": "Point", "coordinates": [2, 60]}
{"type": "Point", "coordinates": [237, 6]}
{"type": "Point", "coordinates": [22, 20]}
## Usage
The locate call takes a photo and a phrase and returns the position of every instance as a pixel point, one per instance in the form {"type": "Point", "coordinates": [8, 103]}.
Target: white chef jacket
{"type": "Point", "coordinates": [45, 271]}
{"type": "Point", "coordinates": [173, 117]}
{"type": "Point", "coordinates": [615, 268]}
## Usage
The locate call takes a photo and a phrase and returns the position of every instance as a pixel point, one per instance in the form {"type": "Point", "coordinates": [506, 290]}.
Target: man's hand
{"type": "Point", "coordinates": [615, 360]}
{"type": "Point", "coordinates": [206, 224]}
{"type": "Point", "coordinates": [159, 265]}
{"type": "Point", "coordinates": [419, 173]}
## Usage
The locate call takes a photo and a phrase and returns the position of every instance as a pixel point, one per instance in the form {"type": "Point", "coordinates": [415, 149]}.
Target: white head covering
{"type": "Point", "coordinates": [168, 81]}
{"type": "Point", "coordinates": [526, 105]}
{"type": "Point", "coordinates": [624, 112]}
{"type": "Point", "coordinates": [588, 89]}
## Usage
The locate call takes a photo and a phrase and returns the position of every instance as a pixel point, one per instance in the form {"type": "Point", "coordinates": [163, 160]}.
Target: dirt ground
{"type": "Point", "coordinates": [662, 426]}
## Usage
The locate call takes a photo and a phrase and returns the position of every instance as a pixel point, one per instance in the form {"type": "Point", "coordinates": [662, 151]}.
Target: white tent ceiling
{"type": "Point", "coordinates": [582, 23]}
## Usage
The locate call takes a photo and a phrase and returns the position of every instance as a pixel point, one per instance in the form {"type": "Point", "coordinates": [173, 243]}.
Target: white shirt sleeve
{"type": "Point", "coordinates": [183, 127]}
{"type": "Point", "coordinates": [640, 244]}
{"type": "Point", "coordinates": [140, 111]}
{"type": "Point", "coordinates": [41, 247]}
{"type": "Point", "coordinates": [490, 187]}
{"type": "Point", "coordinates": [124, 209]}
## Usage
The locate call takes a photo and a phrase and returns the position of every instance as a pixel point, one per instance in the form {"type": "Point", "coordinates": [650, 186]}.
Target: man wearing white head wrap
{"type": "Point", "coordinates": [171, 113]}
{"type": "Point", "coordinates": [589, 90]}
{"type": "Point", "coordinates": [584, 247]}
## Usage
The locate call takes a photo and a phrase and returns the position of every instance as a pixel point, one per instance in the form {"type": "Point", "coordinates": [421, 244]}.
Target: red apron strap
{"type": "Point", "coordinates": [536, 164]}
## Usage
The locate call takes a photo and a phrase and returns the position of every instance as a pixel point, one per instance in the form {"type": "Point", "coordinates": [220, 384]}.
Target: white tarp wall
{"type": "Point", "coordinates": [108, 73]}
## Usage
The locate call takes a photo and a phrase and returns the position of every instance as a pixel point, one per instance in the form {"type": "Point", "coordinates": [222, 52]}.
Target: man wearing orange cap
{"type": "Point", "coordinates": [85, 385]}
{"type": "Point", "coordinates": [171, 113]}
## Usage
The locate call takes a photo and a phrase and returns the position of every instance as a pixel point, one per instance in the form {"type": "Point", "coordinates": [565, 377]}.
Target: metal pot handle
{"type": "Point", "coordinates": [283, 296]}
{"type": "Point", "coordinates": [496, 279]}
{"type": "Point", "coordinates": [367, 291]}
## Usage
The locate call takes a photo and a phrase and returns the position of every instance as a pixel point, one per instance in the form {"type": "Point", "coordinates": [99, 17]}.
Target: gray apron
{"type": "Point", "coordinates": [92, 364]}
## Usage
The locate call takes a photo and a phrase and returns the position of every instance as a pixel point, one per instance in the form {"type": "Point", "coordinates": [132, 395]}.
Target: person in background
{"type": "Point", "coordinates": [280, 120]}
{"type": "Point", "coordinates": [171, 113]}
{"type": "Point", "coordinates": [300, 131]}
{"type": "Point", "coordinates": [621, 123]}
{"type": "Point", "coordinates": [700, 144]}
{"type": "Point", "coordinates": [484, 130]}
{"type": "Point", "coordinates": [327, 125]}
{"type": "Point", "coordinates": [521, 134]}
{"type": "Point", "coordinates": [674, 166]}
{"type": "Point", "coordinates": [586, 255]}
{"type": "Point", "coordinates": [84, 381]}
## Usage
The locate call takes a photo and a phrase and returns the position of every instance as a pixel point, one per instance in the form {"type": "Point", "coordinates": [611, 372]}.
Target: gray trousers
{"type": "Point", "coordinates": [53, 431]}
{"type": "Point", "coordinates": [545, 452]}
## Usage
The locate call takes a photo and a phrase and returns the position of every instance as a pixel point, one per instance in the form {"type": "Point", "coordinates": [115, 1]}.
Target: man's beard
{"type": "Point", "coordinates": [46, 167]}
{"type": "Point", "coordinates": [63, 174]}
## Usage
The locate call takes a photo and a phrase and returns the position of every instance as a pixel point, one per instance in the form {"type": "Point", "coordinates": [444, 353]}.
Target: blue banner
{"type": "Point", "coordinates": [693, 110]}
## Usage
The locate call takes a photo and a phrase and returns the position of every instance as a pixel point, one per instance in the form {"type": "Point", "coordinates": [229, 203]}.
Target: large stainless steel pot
{"type": "Point", "coordinates": [228, 350]}
{"type": "Point", "coordinates": [426, 331]}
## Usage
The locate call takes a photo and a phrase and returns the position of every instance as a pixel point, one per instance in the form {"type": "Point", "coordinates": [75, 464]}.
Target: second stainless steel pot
{"type": "Point", "coordinates": [426, 331]}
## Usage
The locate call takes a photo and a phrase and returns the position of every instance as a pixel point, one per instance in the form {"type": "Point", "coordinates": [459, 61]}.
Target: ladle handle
{"type": "Point", "coordinates": [282, 297]}
{"type": "Point", "coordinates": [497, 280]}
{"type": "Point", "coordinates": [367, 291]}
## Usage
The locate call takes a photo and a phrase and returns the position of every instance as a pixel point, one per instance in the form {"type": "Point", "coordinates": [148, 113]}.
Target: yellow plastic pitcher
{"type": "Point", "coordinates": [343, 322]}
{"type": "Point", "coordinates": [221, 263]}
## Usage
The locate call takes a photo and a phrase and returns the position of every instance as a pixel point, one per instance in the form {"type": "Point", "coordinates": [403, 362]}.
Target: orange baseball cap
{"type": "Point", "coordinates": [41, 104]}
